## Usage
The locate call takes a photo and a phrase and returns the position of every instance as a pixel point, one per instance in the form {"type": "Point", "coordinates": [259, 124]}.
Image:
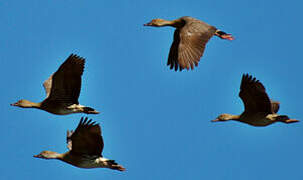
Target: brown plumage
{"type": "Point", "coordinates": [62, 90]}
{"type": "Point", "coordinates": [259, 109]}
{"type": "Point", "coordinates": [85, 146]}
{"type": "Point", "coordinates": [86, 139]}
{"type": "Point", "coordinates": [190, 38]}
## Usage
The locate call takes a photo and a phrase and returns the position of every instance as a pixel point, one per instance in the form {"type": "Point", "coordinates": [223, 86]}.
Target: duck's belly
{"type": "Point", "coordinates": [257, 121]}
{"type": "Point", "coordinates": [62, 110]}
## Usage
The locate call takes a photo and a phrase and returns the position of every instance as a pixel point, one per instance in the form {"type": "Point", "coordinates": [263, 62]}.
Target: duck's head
{"type": "Point", "coordinates": [23, 103]}
{"type": "Point", "coordinates": [47, 155]}
{"type": "Point", "coordinates": [223, 117]}
{"type": "Point", "coordinates": [157, 23]}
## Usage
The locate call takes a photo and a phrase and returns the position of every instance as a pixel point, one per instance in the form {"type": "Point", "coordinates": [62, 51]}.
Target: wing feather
{"type": "Point", "coordinates": [87, 138]}
{"type": "Point", "coordinates": [189, 44]}
{"type": "Point", "coordinates": [65, 84]}
{"type": "Point", "coordinates": [254, 96]}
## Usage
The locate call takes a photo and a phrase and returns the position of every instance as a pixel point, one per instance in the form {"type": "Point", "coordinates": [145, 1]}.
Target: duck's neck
{"type": "Point", "coordinates": [68, 157]}
{"type": "Point", "coordinates": [30, 104]}
{"type": "Point", "coordinates": [177, 23]}
{"type": "Point", "coordinates": [234, 117]}
{"type": "Point", "coordinates": [55, 155]}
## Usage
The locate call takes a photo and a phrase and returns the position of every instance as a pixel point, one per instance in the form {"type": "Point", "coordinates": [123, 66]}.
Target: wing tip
{"type": "Point", "coordinates": [76, 58]}
{"type": "Point", "coordinates": [248, 79]}
{"type": "Point", "coordinates": [85, 122]}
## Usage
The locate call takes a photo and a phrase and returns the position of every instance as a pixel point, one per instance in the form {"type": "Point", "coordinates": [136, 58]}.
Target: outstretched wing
{"type": "Point", "coordinates": [189, 44]}
{"type": "Point", "coordinates": [254, 96]}
{"type": "Point", "coordinates": [86, 139]}
{"type": "Point", "coordinates": [65, 84]}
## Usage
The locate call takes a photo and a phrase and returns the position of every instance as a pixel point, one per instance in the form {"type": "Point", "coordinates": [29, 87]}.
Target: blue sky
{"type": "Point", "coordinates": [155, 122]}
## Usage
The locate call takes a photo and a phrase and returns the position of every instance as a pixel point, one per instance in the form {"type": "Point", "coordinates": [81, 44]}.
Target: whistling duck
{"type": "Point", "coordinates": [62, 90]}
{"type": "Point", "coordinates": [259, 109]}
{"type": "Point", "coordinates": [85, 146]}
{"type": "Point", "coordinates": [190, 38]}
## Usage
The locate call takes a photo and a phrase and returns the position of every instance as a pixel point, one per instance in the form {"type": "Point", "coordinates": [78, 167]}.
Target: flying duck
{"type": "Point", "coordinates": [85, 146]}
{"type": "Point", "coordinates": [190, 38]}
{"type": "Point", "coordinates": [62, 90]}
{"type": "Point", "coordinates": [259, 109]}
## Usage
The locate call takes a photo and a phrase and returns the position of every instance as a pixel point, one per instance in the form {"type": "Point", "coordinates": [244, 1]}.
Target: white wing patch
{"type": "Point", "coordinates": [94, 163]}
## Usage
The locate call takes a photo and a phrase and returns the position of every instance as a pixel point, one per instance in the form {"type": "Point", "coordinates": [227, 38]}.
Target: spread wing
{"type": "Point", "coordinates": [254, 96]}
{"type": "Point", "coordinates": [65, 84]}
{"type": "Point", "coordinates": [86, 139]}
{"type": "Point", "coordinates": [189, 44]}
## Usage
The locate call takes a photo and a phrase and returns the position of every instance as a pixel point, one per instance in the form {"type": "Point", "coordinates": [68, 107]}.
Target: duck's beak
{"type": "Point", "coordinates": [14, 104]}
{"type": "Point", "coordinates": [215, 120]}
{"type": "Point", "coordinates": [37, 156]}
{"type": "Point", "coordinates": [147, 24]}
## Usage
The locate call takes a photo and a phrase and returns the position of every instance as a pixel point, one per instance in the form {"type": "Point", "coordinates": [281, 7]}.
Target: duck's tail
{"type": "Point", "coordinates": [285, 119]}
{"type": "Point", "coordinates": [113, 165]}
{"type": "Point", "coordinates": [89, 110]}
{"type": "Point", "coordinates": [224, 35]}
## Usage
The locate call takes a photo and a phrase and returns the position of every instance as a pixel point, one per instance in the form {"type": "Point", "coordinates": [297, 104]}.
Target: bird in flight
{"type": "Point", "coordinates": [190, 38]}
{"type": "Point", "coordinates": [85, 146]}
{"type": "Point", "coordinates": [62, 90]}
{"type": "Point", "coordinates": [259, 109]}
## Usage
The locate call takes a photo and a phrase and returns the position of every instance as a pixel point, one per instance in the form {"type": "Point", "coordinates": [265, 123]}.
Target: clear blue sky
{"type": "Point", "coordinates": [155, 122]}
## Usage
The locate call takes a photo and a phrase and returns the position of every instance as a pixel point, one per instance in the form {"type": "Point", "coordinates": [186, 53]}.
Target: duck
{"type": "Point", "coordinates": [260, 110]}
{"type": "Point", "coordinates": [62, 90]}
{"type": "Point", "coordinates": [190, 38]}
{"type": "Point", "coordinates": [85, 146]}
